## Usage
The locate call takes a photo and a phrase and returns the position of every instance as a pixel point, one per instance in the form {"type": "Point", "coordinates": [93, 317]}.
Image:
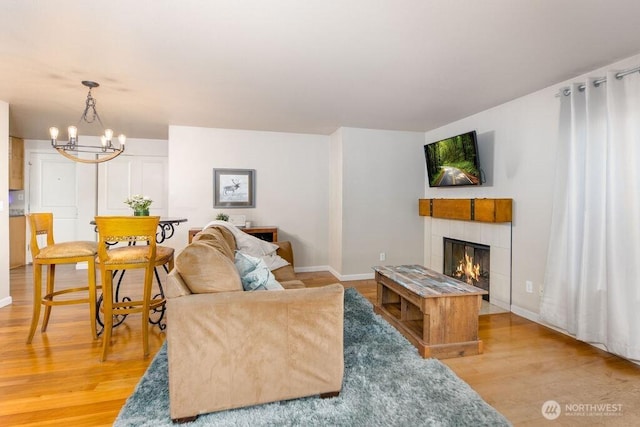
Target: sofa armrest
{"type": "Point", "coordinates": [235, 349]}
{"type": "Point", "coordinates": [175, 286]}
{"type": "Point", "coordinates": [285, 251]}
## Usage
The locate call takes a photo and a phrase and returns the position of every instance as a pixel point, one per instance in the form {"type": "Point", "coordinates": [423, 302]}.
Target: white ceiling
{"type": "Point", "coordinates": [296, 66]}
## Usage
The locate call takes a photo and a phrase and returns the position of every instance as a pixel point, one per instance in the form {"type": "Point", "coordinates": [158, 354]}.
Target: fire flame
{"type": "Point", "coordinates": [468, 269]}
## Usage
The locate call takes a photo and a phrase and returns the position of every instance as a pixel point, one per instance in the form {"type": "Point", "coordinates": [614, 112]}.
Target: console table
{"type": "Point", "coordinates": [267, 233]}
{"type": "Point", "coordinates": [436, 313]}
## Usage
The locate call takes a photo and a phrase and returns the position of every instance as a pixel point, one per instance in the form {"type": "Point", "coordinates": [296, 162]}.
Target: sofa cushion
{"type": "Point", "coordinates": [224, 232]}
{"type": "Point", "coordinates": [254, 274]}
{"type": "Point", "coordinates": [214, 237]}
{"type": "Point", "coordinates": [293, 284]}
{"type": "Point", "coordinates": [228, 237]}
{"type": "Point", "coordinates": [205, 269]}
{"type": "Point", "coordinates": [284, 274]}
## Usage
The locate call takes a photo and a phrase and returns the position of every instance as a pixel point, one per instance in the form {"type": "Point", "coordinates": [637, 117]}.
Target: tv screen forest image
{"type": "Point", "coordinates": [453, 161]}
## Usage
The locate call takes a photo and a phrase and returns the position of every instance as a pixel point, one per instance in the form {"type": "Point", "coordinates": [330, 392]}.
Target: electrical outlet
{"type": "Point", "coordinates": [383, 256]}
{"type": "Point", "coordinates": [529, 284]}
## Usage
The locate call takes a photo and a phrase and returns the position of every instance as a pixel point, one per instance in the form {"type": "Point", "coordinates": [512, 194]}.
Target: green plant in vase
{"type": "Point", "coordinates": [140, 204]}
{"type": "Point", "coordinates": [222, 217]}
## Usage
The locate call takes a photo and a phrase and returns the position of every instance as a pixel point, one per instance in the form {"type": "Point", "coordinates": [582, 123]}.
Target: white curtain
{"type": "Point", "coordinates": [592, 280]}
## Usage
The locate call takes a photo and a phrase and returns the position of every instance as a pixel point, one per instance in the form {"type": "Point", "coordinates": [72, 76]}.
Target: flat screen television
{"type": "Point", "coordinates": [453, 161]}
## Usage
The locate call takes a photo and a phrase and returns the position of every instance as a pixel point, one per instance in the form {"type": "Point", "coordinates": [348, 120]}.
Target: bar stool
{"type": "Point", "coordinates": [132, 230]}
{"type": "Point", "coordinates": [51, 255]}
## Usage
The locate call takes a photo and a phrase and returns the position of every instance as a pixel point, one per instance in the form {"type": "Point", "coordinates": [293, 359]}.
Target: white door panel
{"type": "Point", "coordinates": [114, 182]}
{"type": "Point", "coordinates": [128, 175]}
{"type": "Point", "coordinates": [56, 181]}
{"type": "Point", "coordinates": [52, 188]}
{"type": "Point", "coordinates": [52, 182]}
{"type": "Point", "coordinates": [154, 183]}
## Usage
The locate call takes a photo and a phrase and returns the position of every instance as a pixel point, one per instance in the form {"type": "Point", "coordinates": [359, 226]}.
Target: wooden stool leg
{"type": "Point", "coordinates": [148, 281]}
{"type": "Point", "coordinates": [107, 304]}
{"type": "Point", "coordinates": [51, 276]}
{"type": "Point", "coordinates": [93, 289]}
{"type": "Point", "coordinates": [37, 300]}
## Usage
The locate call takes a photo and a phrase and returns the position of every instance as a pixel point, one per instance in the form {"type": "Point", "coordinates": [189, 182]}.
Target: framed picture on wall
{"type": "Point", "coordinates": [234, 188]}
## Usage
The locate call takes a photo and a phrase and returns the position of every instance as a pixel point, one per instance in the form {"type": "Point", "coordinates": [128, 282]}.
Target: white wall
{"type": "Point", "coordinates": [517, 143]}
{"type": "Point", "coordinates": [341, 199]}
{"type": "Point", "coordinates": [335, 203]}
{"type": "Point", "coordinates": [292, 183]}
{"type": "Point", "coordinates": [383, 174]}
{"type": "Point", "coordinates": [5, 298]}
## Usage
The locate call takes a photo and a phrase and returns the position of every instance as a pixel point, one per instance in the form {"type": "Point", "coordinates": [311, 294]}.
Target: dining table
{"type": "Point", "coordinates": [166, 227]}
{"type": "Point", "coordinates": [166, 230]}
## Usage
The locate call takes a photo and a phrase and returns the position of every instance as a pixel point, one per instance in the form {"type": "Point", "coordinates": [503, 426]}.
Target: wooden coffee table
{"type": "Point", "coordinates": [436, 313]}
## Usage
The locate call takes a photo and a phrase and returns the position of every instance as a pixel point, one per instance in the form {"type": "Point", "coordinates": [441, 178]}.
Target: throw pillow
{"type": "Point", "coordinates": [252, 245]}
{"type": "Point", "coordinates": [254, 274]}
{"type": "Point", "coordinates": [206, 270]}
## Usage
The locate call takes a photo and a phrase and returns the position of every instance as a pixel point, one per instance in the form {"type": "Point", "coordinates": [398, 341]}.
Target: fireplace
{"type": "Point", "coordinates": [468, 262]}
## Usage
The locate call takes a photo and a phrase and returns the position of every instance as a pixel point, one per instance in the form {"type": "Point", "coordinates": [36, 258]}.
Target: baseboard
{"type": "Point", "coordinates": [340, 277]}
{"type": "Point", "coordinates": [311, 269]}
{"type": "Point", "coordinates": [364, 276]}
{"type": "Point", "coordinates": [349, 277]}
{"type": "Point", "coordinates": [530, 315]}
{"type": "Point", "coordinates": [6, 301]}
{"type": "Point", "coordinates": [502, 304]}
{"type": "Point", "coordinates": [535, 317]}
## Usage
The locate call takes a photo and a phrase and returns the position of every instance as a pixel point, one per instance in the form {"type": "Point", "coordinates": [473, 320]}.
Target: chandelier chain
{"type": "Point", "coordinates": [90, 108]}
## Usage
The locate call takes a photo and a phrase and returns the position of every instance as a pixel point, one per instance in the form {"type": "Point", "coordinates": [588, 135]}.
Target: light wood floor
{"type": "Point", "coordinates": [58, 379]}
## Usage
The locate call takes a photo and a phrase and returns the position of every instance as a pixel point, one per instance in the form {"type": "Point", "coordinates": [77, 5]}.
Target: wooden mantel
{"type": "Point", "coordinates": [482, 210]}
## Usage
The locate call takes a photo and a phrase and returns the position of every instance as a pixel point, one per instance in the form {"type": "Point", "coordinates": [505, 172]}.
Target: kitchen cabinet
{"type": "Point", "coordinates": [17, 241]}
{"type": "Point", "coordinates": [16, 163]}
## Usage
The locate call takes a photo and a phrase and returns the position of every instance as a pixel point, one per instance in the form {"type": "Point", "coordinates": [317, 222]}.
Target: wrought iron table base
{"type": "Point", "coordinates": [119, 318]}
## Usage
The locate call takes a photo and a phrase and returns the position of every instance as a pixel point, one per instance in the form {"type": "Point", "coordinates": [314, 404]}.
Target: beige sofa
{"type": "Point", "coordinates": [229, 348]}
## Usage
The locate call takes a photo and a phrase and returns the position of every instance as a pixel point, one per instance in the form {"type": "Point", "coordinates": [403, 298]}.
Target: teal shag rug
{"type": "Point", "coordinates": [386, 383]}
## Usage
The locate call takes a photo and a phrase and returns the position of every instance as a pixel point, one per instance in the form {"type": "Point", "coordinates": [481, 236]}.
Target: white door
{"type": "Point", "coordinates": [52, 188]}
{"type": "Point", "coordinates": [125, 176]}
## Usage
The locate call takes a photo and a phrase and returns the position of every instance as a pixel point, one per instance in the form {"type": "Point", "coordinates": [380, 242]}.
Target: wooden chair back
{"type": "Point", "coordinates": [39, 224]}
{"type": "Point", "coordinates": [133, 230]}
{"type": "Point", "coordinates": [50, 255]}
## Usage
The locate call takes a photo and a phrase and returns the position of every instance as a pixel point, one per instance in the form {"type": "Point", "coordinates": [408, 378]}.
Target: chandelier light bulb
{"type": "Point", "coordinates": [108, 134]}
{"type": "Point", "coordinates": [103, 141]}
{"type": "Point", "coordinates": [122, 139]}
{"type": "Point", "coordinates": [73, 132]}
{"type": "Point", "coordinates": [53, 131]}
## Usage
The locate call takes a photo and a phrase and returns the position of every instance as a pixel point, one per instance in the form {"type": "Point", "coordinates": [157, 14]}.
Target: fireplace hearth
{"type": "Point", "coordinates": [468, 262]}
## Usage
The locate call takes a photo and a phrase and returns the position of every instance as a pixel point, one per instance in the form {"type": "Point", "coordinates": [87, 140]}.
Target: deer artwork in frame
{"type": "Point", "coordinates": [234, 188]}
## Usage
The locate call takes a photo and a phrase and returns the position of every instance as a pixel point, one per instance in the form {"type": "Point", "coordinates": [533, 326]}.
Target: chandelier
{"type": "Point", "coordinates": [70, 149]}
